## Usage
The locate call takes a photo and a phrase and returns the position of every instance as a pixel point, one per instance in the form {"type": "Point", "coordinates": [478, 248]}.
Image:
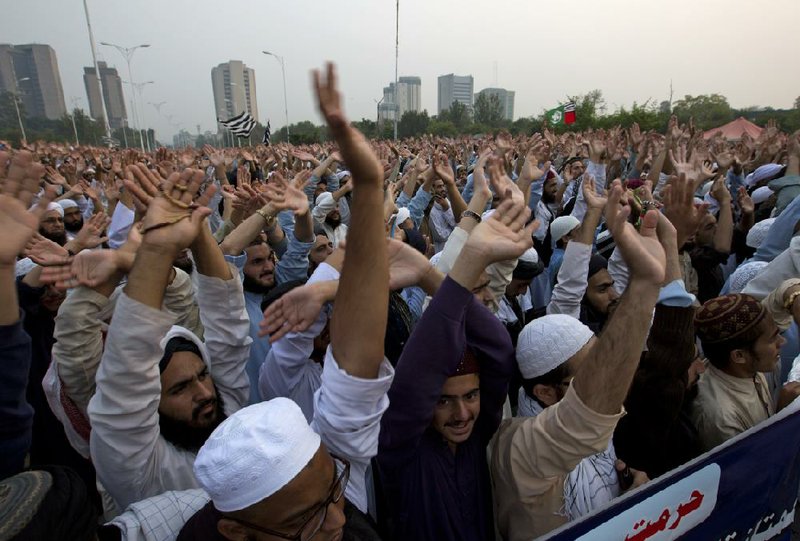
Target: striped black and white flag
{"type": "Point", "coordinates": [267, 134]}
{"type": "Point", "coordinates": [240, 125]}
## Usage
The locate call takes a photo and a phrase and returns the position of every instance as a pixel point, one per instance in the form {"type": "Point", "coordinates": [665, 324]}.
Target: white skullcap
{"type": "Point", "coordinates": [56, 207]}
{"type": "Point", "coordinates": [254, 453]}
{"type": "Point", "coordinates": [759, 232]}
{"type": "Point", "coordinates": [67, 204]}
{"type": "Point", "coordinates": [742, 275]}
{"type": "Point", "coordinates": [563, 225]}
{"type": "Point", "coordinates": [530, 256]}
{"type": "Point", "coordinates": [761, 194]}
{"type": "Point", "coordinates": [705, 189]}
{"type": "Point", "coordinates": [341, 174]}
{"type": "Point", "coordinates": [403, 214]}
{"type": "Point", "coordinates": [548, 342]}
{"type": "Point", "coordinates": [764, 172]}
{"type": "Point", "coordinates": [325, 198]}
{"type": "Point", "coordinates": [698, 201]}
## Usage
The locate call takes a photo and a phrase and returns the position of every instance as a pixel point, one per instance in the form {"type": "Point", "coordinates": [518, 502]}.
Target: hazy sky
{"type": "Point", "coordinates": [630, 49]}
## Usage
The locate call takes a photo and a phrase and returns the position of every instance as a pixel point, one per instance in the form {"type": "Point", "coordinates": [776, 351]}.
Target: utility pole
{"type": "Point", "coordinates": [97, 72]}
{"type": "Point", "coordinates": [396, 56]}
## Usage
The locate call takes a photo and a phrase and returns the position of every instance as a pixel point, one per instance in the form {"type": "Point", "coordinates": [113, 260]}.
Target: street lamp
{"type": "Point", "coordinates": [285, 103]}
{"type": "Point", "coordinates": [16, 106]}
{"type": "Point", "coordinates": [74, 102]}
{"type": "Point", "coordinates": [139, 87]}
{"type": "Point", "coordinates": [127, 53]}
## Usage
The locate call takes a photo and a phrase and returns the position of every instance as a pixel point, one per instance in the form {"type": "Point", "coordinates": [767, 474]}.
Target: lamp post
{"type": "Point", "coordinates": [97, 71]}
{"type": "Point", "coordinates": [74, 102]}
{"type": "Point", "coordinates": [16, 106]}
{"type": "Point", "coordinates": [127, 53]}
{"type": "Point", "coordinates": [285, 103]}
{"type": "Point", "coordinates": [139, 87]}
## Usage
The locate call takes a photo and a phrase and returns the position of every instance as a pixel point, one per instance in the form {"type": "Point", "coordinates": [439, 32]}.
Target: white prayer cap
{"type": "Point", "coordinates": [548, 342]}
{"type": "Point", "coordinates": [341, 174]}
{"type": "Point", "coordinates": [742, 275]}
{"type": "Point", "coordinates": [764, 172]}
{"type": "Point", "coordinates": [761, 194]}
{"type": "Point", "coordinates": [530, 256]}
{"type": "Point", "coordinates": [759, 232]}
{"type": "Point", "coordinates": [55, 207]}
{"type": "Point", "coordinates": [324, 198]}
{"type": "Point", "coordinates": [67, 204]}
{"type": "Point", "coordinates": [254, 453]}
{"type": "Point", "coordinates": [563, 225]}
{"type": "Point", "coordinates": [403, 214]}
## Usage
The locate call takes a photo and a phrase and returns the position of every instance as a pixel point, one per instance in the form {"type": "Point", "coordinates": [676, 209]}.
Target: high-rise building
{"type": "Point", "coordinates": [408, 97]}
{"type": "Point", "coordinates": [454, 88]}
{"type": "Point", "coordinates": [31, 71]}
{"type": "Point", "coordinates": [234, 87]}
{"type": "Point", "coordinates": [112, 95]}
{"type": "Point", "coordinates": [506, 98]}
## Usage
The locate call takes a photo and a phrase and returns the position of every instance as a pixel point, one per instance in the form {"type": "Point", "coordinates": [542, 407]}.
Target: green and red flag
{"type": "Point", "coordinates": [563, 114]}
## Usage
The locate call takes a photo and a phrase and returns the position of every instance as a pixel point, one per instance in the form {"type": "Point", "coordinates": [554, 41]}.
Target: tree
{"type": "Point", "coordinates": [458, 114]}
{"type": "Point", "coordinates": [442, 128]}
{"type": "Point", "coordinates": [708, 111]}
{"type": "Point", "coordinates": [367, 127]}
{"type": "Point", "coordinates": [797, 102]}
{"type": "Point", "coordinates": [413, 124]}
{"type": "Point", "coordinates": [488, 110]}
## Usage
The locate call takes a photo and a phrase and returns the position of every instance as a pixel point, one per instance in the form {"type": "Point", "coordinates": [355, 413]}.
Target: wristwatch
{"type": "Point", "coordinates": [470, 214]}
{"type": "Point", "coordinates": [268, 218]}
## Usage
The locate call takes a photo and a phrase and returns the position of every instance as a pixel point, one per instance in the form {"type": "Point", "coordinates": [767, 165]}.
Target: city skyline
{"type": "Point", "coordinates": [113, 95]}
{"type": "Point", "coordinates": [564, 58]}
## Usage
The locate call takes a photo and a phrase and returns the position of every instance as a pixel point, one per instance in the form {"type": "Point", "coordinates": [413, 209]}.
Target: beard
{"type": "Point", "coordinates": [547, 198]}
{"type": "Point", "coordinates": [59, 238]}
{"type": "Point", "coordinates": [74, 227]}
{"type": "Point", "coordinates": [185, 264]}
{"type": "Point", "coordinates": [191, 438]}
{"type": "Point", "coordinates": [333, 222]}
{"type": "Point", "coordinates": [253, 286]}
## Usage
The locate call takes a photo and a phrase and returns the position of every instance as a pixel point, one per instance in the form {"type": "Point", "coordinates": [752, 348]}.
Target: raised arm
{"type": "Point", "coordinates": [18, 184]}
{"type": "Point", "coordinates": [605, 375]}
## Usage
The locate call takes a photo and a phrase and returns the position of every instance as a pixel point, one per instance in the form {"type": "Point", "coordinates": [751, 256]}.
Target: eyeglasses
{"type": "Point", "coordinates": [341, 475]}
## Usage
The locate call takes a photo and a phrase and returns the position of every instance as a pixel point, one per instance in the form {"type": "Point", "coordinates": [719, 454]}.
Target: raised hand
{"type": "Point", "coordinates": [91, 234]}
{"type": "Point", "coordinates": [407, 266]}
{"type": "Point", "coordinates": [295, 311]}
{"type": "Point", "coordinates": [289, 195]}
{"type": "Point", "coordinates": [590, 195]}
{"type": "Point", "coordinates": [679, 207]}
{"type": "Point", "coordinates": [19, 182]}
{"type": "Point", "coordinates": [641, 250]}
{"type": "Point", "coordinates": [502, 184]}
{"type": "Point", "coordinates": [503, 236]}
{"type": "Point", "coordinates": [243, 176]}
{"type": "Point", "coordinates": [443, 170]}
{"type": "Point", "coordinates": [746, 204]}
{"type": "Point", "coordinates": [44, 252]}
{"type": "Point", "coordinates": [88, 268]}
{"type": "Point", "coordinates": [173, 218]}
{"type": "Point", "coordinates": [353, 146]}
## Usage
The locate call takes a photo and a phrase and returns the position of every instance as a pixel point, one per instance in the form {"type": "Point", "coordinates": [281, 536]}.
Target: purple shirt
{"type": "Point", "coordinates": [432, 493]}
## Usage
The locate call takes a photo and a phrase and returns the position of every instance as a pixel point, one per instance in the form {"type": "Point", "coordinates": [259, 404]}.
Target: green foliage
{"type": "Point", "coordinates": [443, 128]}
{"type": "Point", "coordinates": [708, 111]}
{"type": "Point", "coordinates": [413, 124]}
{"type": "Point", "coordinates": [458, 114]}
{"type": "Point", "coordinates": [488, 110]}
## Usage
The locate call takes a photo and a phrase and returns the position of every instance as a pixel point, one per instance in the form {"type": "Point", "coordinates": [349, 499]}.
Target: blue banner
{"type": "Point", "coordinates": [745, 489]}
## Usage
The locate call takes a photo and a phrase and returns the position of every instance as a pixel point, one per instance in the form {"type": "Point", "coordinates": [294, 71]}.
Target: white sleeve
{"type": "Point", "coordinates": [347, 417]}
{"type": "Point", "coordinates": [618, 270]}
{"type": "Point", "coordinates": [226, 336]}
{"type": "Point", "coordinates": [571, 286]}
{"type": "Point", "coordinates": [132, 460]}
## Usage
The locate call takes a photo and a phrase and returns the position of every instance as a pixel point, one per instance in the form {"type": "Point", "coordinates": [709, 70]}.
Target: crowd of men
{"type": "Point", "coordinates": [435, 339]}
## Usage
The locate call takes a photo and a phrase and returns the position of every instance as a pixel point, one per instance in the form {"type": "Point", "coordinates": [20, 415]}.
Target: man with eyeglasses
{"type": "Point", "coordinates": [271, 474]}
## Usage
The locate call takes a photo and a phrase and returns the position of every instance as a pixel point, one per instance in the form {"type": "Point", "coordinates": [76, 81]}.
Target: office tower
{"type": "Point", "coordinates": [506, 98]}
{"type": "Point", "coordinates": [454, 88]}
{"type": "Point", "coordinates": [112, 94]}
{"type": "Point", "coordinates": [234, 87]}
{"type": "Point", "coordinates": [408, 97]}
{"type": "Point", "coordinates": [31, 71]}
